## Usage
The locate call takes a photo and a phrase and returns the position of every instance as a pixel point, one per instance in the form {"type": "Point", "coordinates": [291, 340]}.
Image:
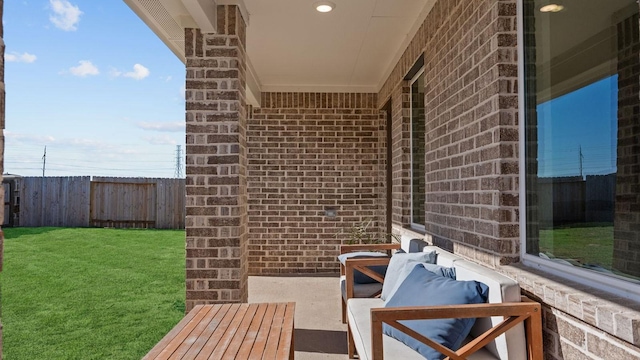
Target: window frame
{"type": "Point", "coordinates": [614, 284]}
{"type": "Point", "coordinates": [413, 225]}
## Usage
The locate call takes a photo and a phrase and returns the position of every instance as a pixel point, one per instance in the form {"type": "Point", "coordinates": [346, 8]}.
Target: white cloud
{"type": "Point", "coordinates": [24, 57]}
{"type": "Point", "coordinates": [139, 72]}
{"type": "Point", "coordinates": [86, 143]}
{"type": "Point", "coordinates": [161, 140]}
{"type": "Point", "coordinates": [177, 126]}
{"type": "Point", "coordinates": [38, 139]}
{"type": "Point", "coordinates": [65, 15]}
{"type": "Point", "coordinates": [84, 69]}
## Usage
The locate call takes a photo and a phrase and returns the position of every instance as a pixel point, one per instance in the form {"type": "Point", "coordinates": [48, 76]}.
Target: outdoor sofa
{"type": "Point", "coordinates": [507, 326]}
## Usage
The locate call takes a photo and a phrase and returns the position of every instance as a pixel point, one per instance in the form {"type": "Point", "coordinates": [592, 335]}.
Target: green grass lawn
{"type": "Point", "coordinates": [587, 244]}
{"type": "Point", "coordinates": [90, 293]}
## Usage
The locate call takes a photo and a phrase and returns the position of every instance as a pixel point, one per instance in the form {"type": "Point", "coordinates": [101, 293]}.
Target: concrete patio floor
{"type": "Point", "coordinates": [319, 332]}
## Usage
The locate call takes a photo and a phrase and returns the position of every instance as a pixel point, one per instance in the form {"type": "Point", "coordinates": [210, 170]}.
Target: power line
{"type": "Point", "coordinates": [22, 158]}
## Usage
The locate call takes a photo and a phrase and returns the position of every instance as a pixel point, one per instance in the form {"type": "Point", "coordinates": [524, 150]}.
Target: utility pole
{"type": "Point", "coordinates": [44, 160]}
{"type": "Point", "coordinates": [44, 163]}
{"type": "Point", "coordinates": [178, 173]}
{"type": "Point", "coordinates": [581, 160]}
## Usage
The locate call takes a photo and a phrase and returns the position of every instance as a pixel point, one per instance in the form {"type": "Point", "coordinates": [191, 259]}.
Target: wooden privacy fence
{"type": "Point", "coordinates": [102, 202]}
{"type": "Point", "coordinates": [54, 201]}
{"type": "Point", "coordinates": [576, 200]}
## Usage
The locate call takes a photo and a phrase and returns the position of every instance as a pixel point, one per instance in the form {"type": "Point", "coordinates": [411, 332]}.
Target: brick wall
{"type": "Point", "coordinates": [471, 135]}
{"type": "Point", "coordinates": [401, 155]}
{"type": "Point", "coordinates": [626, 252]}
{"type": "Point", "coordinates": [472, 171]}
{"type": "Point", "coordinates": [566, 337]}
{"type": "Point", "coordinates": [580, 322]}
{"type": "Point", "coordinates": [216, 220]}
{"type": "Point", "coordinates": [308, 152]}
{"type": "Point", "coordinates": [471, 101]}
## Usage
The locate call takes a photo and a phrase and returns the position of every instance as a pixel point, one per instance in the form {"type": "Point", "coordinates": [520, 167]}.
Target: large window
{"type": "Point", "coordinates": [417, 151]}
{"type": "Point", "coordinates": [582, 136]}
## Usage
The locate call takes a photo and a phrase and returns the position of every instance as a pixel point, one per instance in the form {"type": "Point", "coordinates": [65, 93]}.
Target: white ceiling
{"type": "Point", "coordinates": [292, 47]}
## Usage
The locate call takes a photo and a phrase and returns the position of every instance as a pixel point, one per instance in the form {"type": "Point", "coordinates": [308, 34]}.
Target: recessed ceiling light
{"type": "Point", "coordinates": [550, 6]}
{"type": "Point", "coordinates": [324, 6]}
{"type": "Point", "coordinates": [553, 8]}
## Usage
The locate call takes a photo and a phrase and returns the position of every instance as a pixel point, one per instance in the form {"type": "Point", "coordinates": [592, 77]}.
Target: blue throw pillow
{"type": "Point", "coordinates": [400, 266]}
{"type": "Point", "coordinates": [424, 288]}
{"type": "Point", "coordinates": [441, 270]}
{"type": "Point", "coordinates": [359, 277]}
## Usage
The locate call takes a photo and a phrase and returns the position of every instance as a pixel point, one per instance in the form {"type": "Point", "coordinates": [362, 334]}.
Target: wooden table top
{"type": "Point", "coordinates": [230, 331]}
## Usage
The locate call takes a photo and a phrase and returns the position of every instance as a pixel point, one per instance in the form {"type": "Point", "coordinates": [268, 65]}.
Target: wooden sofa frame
{"type": "Point", "coordinates": [362, 266]}
{"type": "Point", "coordinates": [527, 311]}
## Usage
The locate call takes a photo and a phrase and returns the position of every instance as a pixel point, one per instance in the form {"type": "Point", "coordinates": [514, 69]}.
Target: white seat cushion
{"type": "Point", "coordinates": [512, 344]}
{"type": "Point", "coordinates": [359, 315]}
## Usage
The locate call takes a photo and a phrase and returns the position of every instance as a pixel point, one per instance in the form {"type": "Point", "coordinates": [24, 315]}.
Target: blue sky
{"type": "Point", "coordinates": [584, 120]}
{"type": "Point", "coordinates": [91, 82]}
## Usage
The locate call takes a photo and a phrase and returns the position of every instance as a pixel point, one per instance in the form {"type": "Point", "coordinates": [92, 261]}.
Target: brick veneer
{"type": "Point", "coordinates": [580, 341]}
{"type": "Point", "coordinates": [216, 223]}
{"type": "Point", "coordinates": [401, 156]}
{"type": "Point", "coordinates": [626, 236]}
{"type": "Point", "coordinates": [472, 171]}
{"type": "Point", "coordinates": [472, 168]}
{"type": "Point", "coordinates": [611, 322]}
{"type": "Point", "coordinates": [308, 152]}
{"type": "Point", "coordinates": [472, 132]}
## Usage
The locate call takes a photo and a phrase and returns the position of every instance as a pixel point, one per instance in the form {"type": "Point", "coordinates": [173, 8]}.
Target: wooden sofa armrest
{"type": "Point", "coordinates": [528, 312]}
{"type": "Point", "coordinates": [362, 265]}
{"type": "Point", "coordinates": [374, 247]}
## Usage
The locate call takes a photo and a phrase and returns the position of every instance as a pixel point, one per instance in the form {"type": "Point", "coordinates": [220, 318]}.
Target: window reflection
{"type": "Point", "coordinates": [582, 130]}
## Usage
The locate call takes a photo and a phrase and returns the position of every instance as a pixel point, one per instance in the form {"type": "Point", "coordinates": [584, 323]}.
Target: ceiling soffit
{"type": "Point", "coordinates": [291, 47]}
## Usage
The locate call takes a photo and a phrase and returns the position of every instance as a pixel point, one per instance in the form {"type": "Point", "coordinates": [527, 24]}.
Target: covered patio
{"type": "Point", "coordinates": [410, 114]}
{"type": "Point", "coordinates": [288, 144]}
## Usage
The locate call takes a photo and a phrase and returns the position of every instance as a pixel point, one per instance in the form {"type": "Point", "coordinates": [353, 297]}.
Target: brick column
{"type": "Point", "coordinates": [401, 166]}
{"type": "Point", "coordinates": [216, 223]}
{"type": "Point", "coordinates": [626, 243]}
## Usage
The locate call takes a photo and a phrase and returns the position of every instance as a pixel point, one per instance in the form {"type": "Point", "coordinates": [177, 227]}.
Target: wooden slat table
{"type": "Point", "coordinates": [230, 331]}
